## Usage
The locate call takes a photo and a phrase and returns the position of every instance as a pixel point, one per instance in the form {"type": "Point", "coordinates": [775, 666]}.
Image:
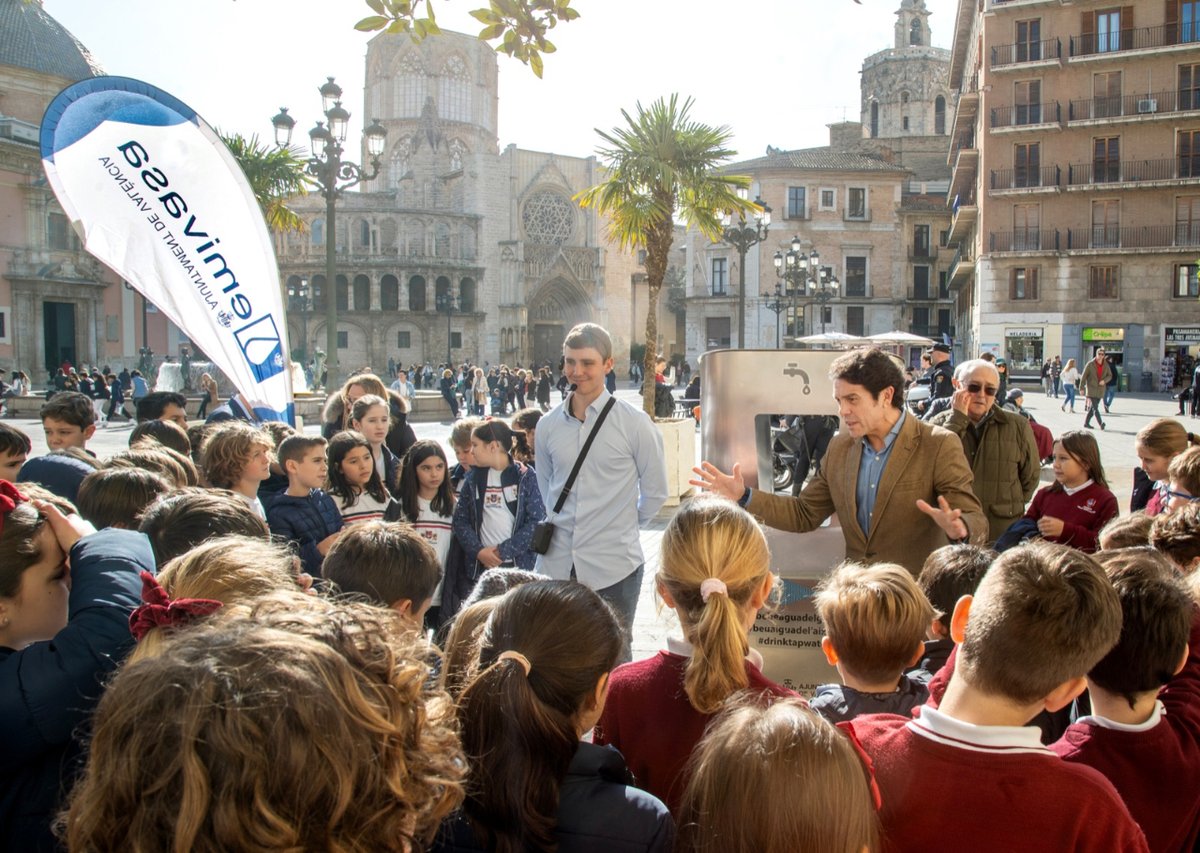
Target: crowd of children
{"type": "Point", "coordinates": [243, 637]}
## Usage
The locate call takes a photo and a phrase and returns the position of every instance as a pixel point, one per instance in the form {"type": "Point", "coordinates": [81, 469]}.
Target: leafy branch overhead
{"type": "Point", "coordinates": [518, 27]}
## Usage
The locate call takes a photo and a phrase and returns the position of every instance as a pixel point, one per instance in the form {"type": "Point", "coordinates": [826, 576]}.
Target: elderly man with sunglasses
{"type": "Point", "coordinates": [999, 444]}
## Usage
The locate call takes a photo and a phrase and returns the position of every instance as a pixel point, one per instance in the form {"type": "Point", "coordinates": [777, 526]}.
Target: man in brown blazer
{"type": "Point", "coordinates": [901, 488]}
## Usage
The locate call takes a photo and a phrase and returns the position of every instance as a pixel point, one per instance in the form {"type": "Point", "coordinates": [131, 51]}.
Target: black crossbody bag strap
{"type": "Point", "coordinates": [562, 499]}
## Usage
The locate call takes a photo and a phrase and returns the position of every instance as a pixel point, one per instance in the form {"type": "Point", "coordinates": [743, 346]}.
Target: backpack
{"type": "Point", "coordinates": [664, 402]}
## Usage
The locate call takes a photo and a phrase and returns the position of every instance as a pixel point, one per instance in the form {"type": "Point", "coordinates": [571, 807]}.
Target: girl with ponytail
{"type": "Point", "coordinates": [544, 659]}
{"type": "Point", "coordinates": [716, 575]}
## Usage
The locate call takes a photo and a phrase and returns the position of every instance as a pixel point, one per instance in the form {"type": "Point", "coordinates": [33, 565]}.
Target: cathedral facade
{"type": "Point", "coordinates": [455, 250]}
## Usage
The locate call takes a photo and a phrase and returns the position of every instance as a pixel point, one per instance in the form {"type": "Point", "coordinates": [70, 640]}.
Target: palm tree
{"type": "Point", "coordinates": [660, 166]}
{"type": "Point", "coordinates": [275, 175]}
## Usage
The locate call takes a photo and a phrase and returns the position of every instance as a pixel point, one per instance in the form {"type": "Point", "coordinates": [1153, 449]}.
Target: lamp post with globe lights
{"type": "Point", "coordinates": [803, 276]}
{"type": "Point", "coordinates": [332, 175]}
{"type": "Point", "coordinates": [743, 236]}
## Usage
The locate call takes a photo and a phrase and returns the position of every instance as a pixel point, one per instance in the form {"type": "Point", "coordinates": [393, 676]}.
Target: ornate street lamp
{"type": "Point", "coordinates": [332, 175]}
{"type": "Point", "coordinates": [742, 237]}
{"type": "Point", "coordinates": [446, 305]}
{"type": "Point", "coordinates": [803, 276]}
{"type": "Point", "coordinates": [778, 303]}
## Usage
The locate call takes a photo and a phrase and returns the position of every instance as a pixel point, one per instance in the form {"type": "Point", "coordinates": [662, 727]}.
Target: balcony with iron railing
{"type": "Point", "coordinates": [1183, 36]}
{"type": "Point", "coordinates": [962, 267]}
{"type": "Point", "coordinates": [1024, 52]}
{"type": "Point", "coordinates": [1142, 107]}
{"type": "Point", "coordinates": [1109, 172]}
{"type": "Point", "coordinates": [1104, 237]}
{"type": "Point", "coordinates": [1025, 178]}
{"type": "Point", "coordinates": [922, 254]}
{"type": "Point", "coordinates": [965, 212]}
{"type": "Point", "coordinates": [1026, 115]}
{"type": "Point", "coordinates": [1024, 240]}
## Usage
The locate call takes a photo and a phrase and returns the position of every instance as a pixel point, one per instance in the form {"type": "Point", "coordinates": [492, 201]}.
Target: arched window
{"type": "Point", "coordinates": [441, 241]}
{"type": "Point", "coordinates": [939, 115]}
{"type": "Point", "coordinates": [441, 289]}
{"type": "Point", "coordinates": [874, 119]}
{"type": "Point", "coordinates": [466, 295]}
{"type": "Point", "coordinates": [362, 293]}
{"type": "Point", "coordinates": [362, 234]}
{"type": "Point", "coordinates": [416, 293]}
{"type": "Point", "coordinates": [904, 97]}
{"type": "Point", "coordinates": [318, 232]}
{"type": "Point", "coordinates": [389, 293]}
{"type": "Point", "coordinates": [319, 291]}
{"type": "Point", "coordinates": [914, 32]}
{"type": "Point", "coordinates": [343, 293]}
{"type": "Point", "coordinates": [454, 98]}
{"type": "Point", "coordinates": [410, 87]}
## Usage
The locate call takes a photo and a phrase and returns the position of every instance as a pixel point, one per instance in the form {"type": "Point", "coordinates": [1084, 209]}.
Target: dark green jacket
{"type": "Point", "coordinates": [1004, 459]}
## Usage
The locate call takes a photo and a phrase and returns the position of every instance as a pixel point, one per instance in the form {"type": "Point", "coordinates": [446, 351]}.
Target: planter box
{"type": "Point", "coordinates": [679, 450]}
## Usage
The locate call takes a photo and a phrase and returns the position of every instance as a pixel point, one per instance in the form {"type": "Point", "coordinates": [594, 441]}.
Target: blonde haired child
{"type": "Point", "coordinates": [238, 456]}
{"type": "Point", "coordinates": [875, 619]}
{"type": "Point", "coordinates": [753, 755]}
{"type": "Point", "coordinates": [716, 575]}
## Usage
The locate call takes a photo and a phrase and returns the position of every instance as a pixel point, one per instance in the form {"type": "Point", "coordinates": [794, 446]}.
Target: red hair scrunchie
{"type": "Point", "coordinates": [9, 498]}
{"type": "Point", "coordinates": [159, 611]}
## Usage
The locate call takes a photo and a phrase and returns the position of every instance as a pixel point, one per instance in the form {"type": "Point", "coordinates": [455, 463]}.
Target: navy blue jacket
{"type": "Point", "coordinates": [304, 522]}
{"type": "Point", "coordinates": [599, 811]}
{"type": "Point", "coordinates": [839, 703]}
{"type": "Point", "coordinates": [391, 470]}
{"type": "Point", "coordinates": [527, 511]}
{"type": "Point", "coordinates": [49, 689]}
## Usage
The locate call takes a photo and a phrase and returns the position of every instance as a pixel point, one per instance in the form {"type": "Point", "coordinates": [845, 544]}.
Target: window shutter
{"type": "Point", "coordinates": [1087, 33]}
{"type": "Point", "coordinates": [1171, 22]}
{"type": "Point", "coordinates": [1126, 27]}
{"type": "Point", "coordinates": [1031, 282]}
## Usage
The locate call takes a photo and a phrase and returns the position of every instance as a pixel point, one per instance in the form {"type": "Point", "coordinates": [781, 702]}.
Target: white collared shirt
{"type": "Point", "coordinates": [621, 486]}
{"type": "Point", "coordinates": [933, 725]}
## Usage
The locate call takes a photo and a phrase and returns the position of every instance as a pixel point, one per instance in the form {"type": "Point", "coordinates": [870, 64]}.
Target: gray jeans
{"type": "Point", "coordinates": [623, 598]}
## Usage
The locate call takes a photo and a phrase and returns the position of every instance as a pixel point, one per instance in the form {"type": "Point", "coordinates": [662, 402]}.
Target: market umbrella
{"type": "Point", "coordinates": [898, 337]}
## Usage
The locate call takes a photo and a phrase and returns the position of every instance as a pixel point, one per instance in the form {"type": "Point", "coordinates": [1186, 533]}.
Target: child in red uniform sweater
{"type": "Point", "coordinates": [1042, 617]}
{"type": "Point", "coordinates": [1147, 740]}
{"type": "Point", "coordinates": [716, 574]}
{"type": "Point", "coordinates": [1072, 510]}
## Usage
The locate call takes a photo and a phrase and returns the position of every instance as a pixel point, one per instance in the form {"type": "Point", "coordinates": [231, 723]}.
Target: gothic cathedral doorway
{"type": "Point", "coordinates": [58, 334]}
{"type": "Point", "coordinates": [547, 343]}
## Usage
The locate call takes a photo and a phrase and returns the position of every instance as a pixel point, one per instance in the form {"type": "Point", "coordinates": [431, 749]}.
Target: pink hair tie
{"type": "Point", "coordinates": [710, 585]}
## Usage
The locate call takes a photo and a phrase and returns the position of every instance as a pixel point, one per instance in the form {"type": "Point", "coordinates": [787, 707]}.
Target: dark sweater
{"type": "Point", "coordinates": [599, 811]}
{"type": "Point", "coordinates": [49, 689]}
{"type": "Point", "coordinates": [839, 703]}
{"type": "Point", "coordinates": [304, 522]}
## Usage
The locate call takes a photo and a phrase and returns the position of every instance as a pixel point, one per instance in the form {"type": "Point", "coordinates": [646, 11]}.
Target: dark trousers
{"type": "Point", "coordinates": [623, 598]}
{"type": "Point", "coordinates": [1093, 408]}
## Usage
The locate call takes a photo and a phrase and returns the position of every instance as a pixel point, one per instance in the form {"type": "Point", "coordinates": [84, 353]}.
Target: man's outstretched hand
{"type": "Point", "coordinates": [947, 518]}
{"type": "Point", "coordinates": [712, 479]}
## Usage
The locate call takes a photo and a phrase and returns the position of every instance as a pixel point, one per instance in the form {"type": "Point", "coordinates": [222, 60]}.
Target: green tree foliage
{"type": "Point", "coordinates": [660, 166]}
{"type": "Point", "coordinates": [275, 175]}
{"type": "Point", "coordinates": [517, 27]}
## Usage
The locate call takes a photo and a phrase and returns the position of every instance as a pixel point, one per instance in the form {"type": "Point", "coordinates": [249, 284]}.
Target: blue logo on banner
{"type": "Point", "coordinates": [260, 344]}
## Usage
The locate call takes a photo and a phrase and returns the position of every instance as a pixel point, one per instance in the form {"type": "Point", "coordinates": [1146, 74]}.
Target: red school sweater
{"type": "Point", "coordinates": [947, 785]}
{"type": "Point", "coordinates": [1082, 514]}
{"type": "Point", "coordinates": [649, 719]}
{"type": "Point", "coordinates": [1155, 770]}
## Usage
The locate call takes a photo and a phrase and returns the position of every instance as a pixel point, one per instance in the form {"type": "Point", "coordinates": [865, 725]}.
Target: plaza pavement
{"type": "Point", "coordinates": [653, 623]}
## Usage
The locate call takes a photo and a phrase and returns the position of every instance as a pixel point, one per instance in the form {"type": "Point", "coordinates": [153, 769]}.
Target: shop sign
{"type": "Point", "coordinates": [1023, 333]}
{"type": "Point", "coordinates": [1183, 334]}
{"type": "Point", "coordinates": [1104, 334]}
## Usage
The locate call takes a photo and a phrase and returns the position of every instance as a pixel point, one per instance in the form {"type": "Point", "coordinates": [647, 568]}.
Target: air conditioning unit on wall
{"type": "Point", "coordinates": [1147, 105]}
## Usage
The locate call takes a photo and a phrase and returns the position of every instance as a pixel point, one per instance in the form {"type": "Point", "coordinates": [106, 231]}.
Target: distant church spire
{"type": "Point", "coordinates": [912, 24]}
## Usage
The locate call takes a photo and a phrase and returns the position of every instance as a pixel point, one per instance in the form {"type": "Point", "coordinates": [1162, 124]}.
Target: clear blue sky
{"type": "Point", "coordinates": [775, 71]}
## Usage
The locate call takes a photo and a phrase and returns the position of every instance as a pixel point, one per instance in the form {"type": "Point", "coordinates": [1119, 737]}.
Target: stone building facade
{"type": "Point", "coordinates": [871, 203]}
{"type": "Point", "coordinates": [1077, 180]}
{"type": "Point", "coordinates": [451, 219]}
{"type": "Point", "coordinates": [57, 303]}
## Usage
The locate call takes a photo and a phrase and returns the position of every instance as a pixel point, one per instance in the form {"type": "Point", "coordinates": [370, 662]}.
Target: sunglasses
{"type": "Point", "coordinates": [1183, 496]}
{"type": "Point", "coordinates": [976, 387]}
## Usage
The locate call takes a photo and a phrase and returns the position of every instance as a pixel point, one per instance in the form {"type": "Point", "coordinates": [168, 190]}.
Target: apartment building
{"type": "Point", "coordinates": [1075, 183]}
